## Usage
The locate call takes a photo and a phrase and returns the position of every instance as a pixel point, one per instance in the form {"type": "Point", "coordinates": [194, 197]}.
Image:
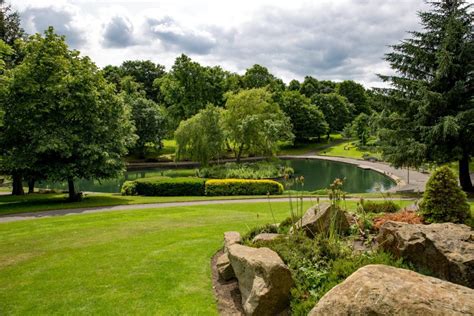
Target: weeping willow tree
{"type": "Point", "coordinates": [430, 107]}
{"type": "Point", "coordinates": [200, 138]}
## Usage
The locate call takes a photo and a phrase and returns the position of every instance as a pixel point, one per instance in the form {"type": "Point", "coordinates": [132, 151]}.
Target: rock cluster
{"type": "Point", "coordinates": [321, 219]}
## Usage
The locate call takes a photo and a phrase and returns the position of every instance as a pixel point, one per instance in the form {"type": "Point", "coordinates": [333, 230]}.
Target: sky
{"type": "Point", "coordinates": [330, 40]}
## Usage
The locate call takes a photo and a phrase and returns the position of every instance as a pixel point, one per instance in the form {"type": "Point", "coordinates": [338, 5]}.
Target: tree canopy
{"type": "Point", "coordinates": [62, 121]}
{"type": "Point", "coordinates": [430, 108]}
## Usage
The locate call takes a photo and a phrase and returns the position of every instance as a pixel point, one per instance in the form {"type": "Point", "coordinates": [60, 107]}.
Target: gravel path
{"type": "Point", "coordinates": [100, 209]}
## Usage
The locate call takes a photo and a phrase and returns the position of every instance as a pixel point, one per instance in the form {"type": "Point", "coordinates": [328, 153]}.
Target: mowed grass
{"type": "Point", "coordinates": [347, 150]}
{"type": "Point", "coordinates": [154, 262]}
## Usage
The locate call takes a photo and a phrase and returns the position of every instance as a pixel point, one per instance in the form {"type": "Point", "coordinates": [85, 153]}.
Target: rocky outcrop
{"type": "Point", "coordinates": [264, 280]}
{"type": "Point", "coordinates": [224, 268]}
{"type": "Point", "coordinates": [446, 250]}
{"type": "Point", "coordinates": [231, 238]}
{"type": "Point", "coordinates": [266, 237]}
{"type": "Point", "coordinates": [321, 218]}
{"type": "Point", "coordinates": [384, 290]}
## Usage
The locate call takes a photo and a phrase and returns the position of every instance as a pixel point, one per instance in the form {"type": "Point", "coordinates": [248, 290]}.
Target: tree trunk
{"type": "Point", "coordinates": [464, 176]}
{"type": "Point", "coordinates": [17, 185]}
{"type": "Point", "coordinates": [73, 195]}
{"type": "Point", "coordinates": [31, 186]}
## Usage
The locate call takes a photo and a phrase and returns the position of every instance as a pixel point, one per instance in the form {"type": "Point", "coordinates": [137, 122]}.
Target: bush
{"type": "Point", "coordinates": [443, 200]}
{"type": "Point", "coordinates": [268, 228]}
{"type": "Point", "coordinates": [129, 188]}
{"type": "Point", "coordinates": [256, 170]}
{"type": "Point", "coordinates": [243, 187]}
{"type": "Point", "coordinates": [383, 207]}
{"type": "Point", "coordinates": [161, 186]}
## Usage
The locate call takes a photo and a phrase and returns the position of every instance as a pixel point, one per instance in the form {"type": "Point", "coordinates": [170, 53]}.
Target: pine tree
{"type": "Point", "coordinates": [443, 200]}
{"type": "Point", "coordinates": [430, 107]}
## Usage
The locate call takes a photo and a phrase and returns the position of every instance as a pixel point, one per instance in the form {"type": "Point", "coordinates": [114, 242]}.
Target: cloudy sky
{"type": "Point", "coordinates": [328, 39]}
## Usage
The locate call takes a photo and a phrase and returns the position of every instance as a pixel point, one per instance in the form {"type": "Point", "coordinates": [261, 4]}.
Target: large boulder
{"type": "Point", "coordinates": [446, 250]}
{"type": "Point", "coordinates": [321, 218]}
{"type": "Point", "coordinates": [383, 290]}
{"type": "Point", "coordinates": [231, 238]}
{"type": "Point", "coordinates": [264, 280]}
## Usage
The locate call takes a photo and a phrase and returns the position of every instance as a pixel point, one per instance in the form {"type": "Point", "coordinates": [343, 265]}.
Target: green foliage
{"type": "Point", "coordinates": [189, 87]}
{"type": "Point", "coordinates": [336, 109]}
{"type": "Point", "coordinates": [162, 186]}
{"type": "Point", "coordinates": [254, 123]}
{"type": "Point", "coordinates": [129, 188]}
{"type": "Point", "coordinates": [307, 120]}
{"type": "Point", "coordinates": [443, 200]}
{"type": "Point", "coordinates": [257, 77]}
{"type": "Point", "coordinates": [355, 94]}
{"type": "Point", "coordinates": [317, 265]}
{"type": "Point", "coordinates": [257, 170]}
{"type": "Point", "coordinates": [360, 128]}
{"type": "Point", "coordinates": [430, 108]}
{"type": "Point", "coordinates": [150, 122]}
{"type": "Point", "coordinates": [242, 187]}
{"type": "Point", "coordinates": [201, 137]}
{"type": "Point", "coordinates": [312, 86]}
{"type": "Point", "coordinates": [62, 119]}
{"type": "Point", "coordinates": [380, 207]}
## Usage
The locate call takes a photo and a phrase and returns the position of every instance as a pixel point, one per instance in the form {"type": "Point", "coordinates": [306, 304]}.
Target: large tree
{"type": "Point", "coordinates": [62, 121]}
{"type": "Point", "coordinates": [430, 105]}
{"type": "Point", "coordinates": [307, 120]}
{"type": "Point", "coordinates": [355, 94]}
{"type": "Point", "coordinates": [10, 28]}
{"type": "Point", "coordinates": [254, 123]}
{"type": "Point", "coordinates": [337, 110]}
{"type": "Point", "coordinates": [201, 137]}
{"type": "Point", "coordinates": [189, 87]}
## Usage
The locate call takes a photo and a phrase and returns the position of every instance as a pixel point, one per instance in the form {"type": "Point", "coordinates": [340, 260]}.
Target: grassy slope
{"type": "Point", "coordinates": [124, 262]}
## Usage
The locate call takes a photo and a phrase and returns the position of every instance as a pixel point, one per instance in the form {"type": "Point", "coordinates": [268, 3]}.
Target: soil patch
{"type": "Point", "coordinates": [227, 293]}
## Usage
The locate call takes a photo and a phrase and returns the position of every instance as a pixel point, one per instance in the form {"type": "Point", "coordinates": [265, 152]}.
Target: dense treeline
{"type": "Point", "coordinates": [63, 118]}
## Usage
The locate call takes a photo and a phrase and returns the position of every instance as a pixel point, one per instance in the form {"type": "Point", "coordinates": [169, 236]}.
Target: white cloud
{"type": "Point", "coordinates": [329, 39]}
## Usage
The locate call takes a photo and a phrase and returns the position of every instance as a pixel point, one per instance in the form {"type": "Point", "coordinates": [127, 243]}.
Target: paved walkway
{"type": "Point", "coordinates": [415, 183]}
{"type": "Point", "coordinates": [100, 209]}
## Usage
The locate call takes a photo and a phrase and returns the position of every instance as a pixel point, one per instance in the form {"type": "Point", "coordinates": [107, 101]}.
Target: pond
{"type": "Point", "coordinates": [318, 174]}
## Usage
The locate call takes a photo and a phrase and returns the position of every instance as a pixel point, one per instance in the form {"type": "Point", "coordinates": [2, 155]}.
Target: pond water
{"type": "Point", "coordinates": [318, 174]}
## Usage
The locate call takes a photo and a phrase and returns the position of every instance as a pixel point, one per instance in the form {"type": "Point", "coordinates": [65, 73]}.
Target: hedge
{"type": "Point", "coordinates": [242, 187]}
{"type": "Point", "coordinates": [162, 186]}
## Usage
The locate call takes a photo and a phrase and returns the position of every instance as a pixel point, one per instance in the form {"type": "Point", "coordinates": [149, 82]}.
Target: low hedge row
{"type": "Point", "coordinates": [242, 187]}
{"type": "Point", "coordinates": [163, 186]}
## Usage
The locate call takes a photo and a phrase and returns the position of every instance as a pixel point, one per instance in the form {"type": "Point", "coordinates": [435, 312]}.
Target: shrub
{"type": "Point", "coordinates": [443, 200]}
{"type": "Point", "coordinates": [256, 170]}
{"type": "Point", "coordinates": [383, 207]}
{"type": "Point", "coordinates": [129, 188]}
{"type": "Point", "coordinates": [404, 217]}
{"type": "Point", "coordinates": [161, 186]}
{"type": "Point", "coordinates": [242, 187]}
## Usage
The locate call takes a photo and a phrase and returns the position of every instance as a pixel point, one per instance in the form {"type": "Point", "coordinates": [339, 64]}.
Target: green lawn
{"type": "Point", "coordinates": [311, 147]}
{"type": "Point", "coordinates": [124, 262]}
{"type": "Point", "coordinates": [349, 150]}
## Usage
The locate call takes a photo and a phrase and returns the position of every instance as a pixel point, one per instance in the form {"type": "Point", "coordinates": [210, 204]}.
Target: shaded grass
{"type": "Point", "coordinates": [348, 149]}
{"type": "Point", "coordinates": [123, 262]}
{"type": "Point", "coordinates": [310, 147]}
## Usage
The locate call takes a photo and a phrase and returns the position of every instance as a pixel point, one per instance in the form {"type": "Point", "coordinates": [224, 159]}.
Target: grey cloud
{"type": "Point", "coordinates": [173, 36]}
{"type": "Point", "coordinates": [328, 44]}
{"type": "Point", "coordinates": [39, 19]}
{"type": "Point", "coordinates": [118, 33]}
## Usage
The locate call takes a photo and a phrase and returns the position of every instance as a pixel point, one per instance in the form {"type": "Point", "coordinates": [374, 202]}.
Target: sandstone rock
{"type": "Point", "coordinates": [264, 280]}
{"type": "Point", "coordinates": [318, 219]}
{"type": "Point", "coordinates": [384, 290]}
{"type": "Point", "coordinates": [224, 268]}
{"type": "Point", "coordinates": [265, 237]}
{"type": "Point", "coordinates": [447, 250]}
{"type": "Point", "coordinates": [231, 238]}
